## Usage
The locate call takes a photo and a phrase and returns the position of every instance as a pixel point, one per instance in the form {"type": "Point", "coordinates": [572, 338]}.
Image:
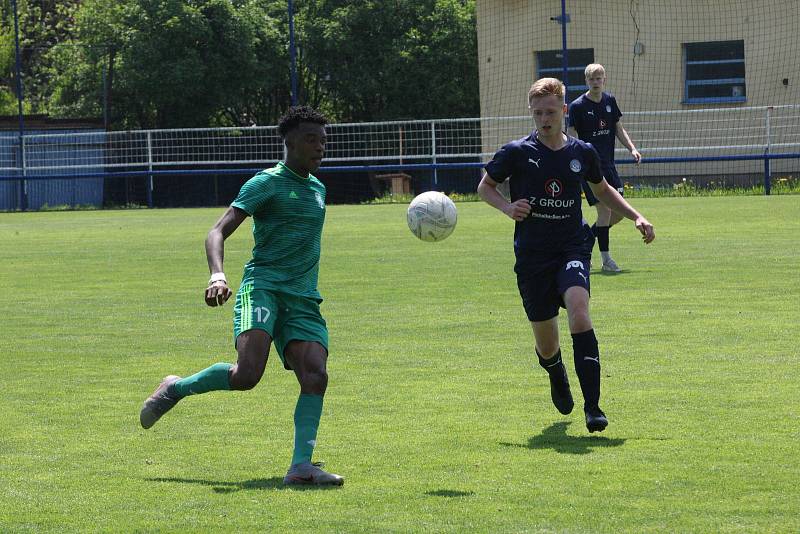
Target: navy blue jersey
{"type": "Point", "coordinates": [551, 182]}
{"type": "Point", "coordinates": [596, 123]}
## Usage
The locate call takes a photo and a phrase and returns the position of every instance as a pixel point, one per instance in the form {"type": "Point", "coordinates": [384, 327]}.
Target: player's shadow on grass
{"type": "Point", "coordinates": [219, 486]}
{"type": "Point", "coordinates": [555, 437]}
{"type": "Point", "coordinates": [449, 493]}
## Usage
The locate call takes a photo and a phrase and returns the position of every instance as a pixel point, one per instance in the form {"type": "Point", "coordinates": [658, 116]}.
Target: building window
{"type": "Point", "coordinates": [714, 72]}
{"type": "Point", "coordinates": [549, 65]}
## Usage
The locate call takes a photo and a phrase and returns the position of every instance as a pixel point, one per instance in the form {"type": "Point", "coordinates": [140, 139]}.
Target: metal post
{"type": "Point", "coordinates": [150, 168]}
{"type": "Point", "coordinates": [292, 54]}
{"type": "Point", "coordinates": [23, 189]}
{"type": "Point", "coordinates": [563, 19]}
{"type": "Point", "coordinates": [767, 170]}
{"type": "Point", "coordinates": [23, 185]}
{"type": "Point", "coordinates": [564, 59]}
{"type": "Point", "coordinates": [105, 99]}
{"type": "Point", "coordinates": [433, 152]}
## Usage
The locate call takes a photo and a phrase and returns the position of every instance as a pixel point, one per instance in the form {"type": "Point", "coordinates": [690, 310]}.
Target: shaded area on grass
{"type": "Point", "coordinates": [449, 493]}
{"type": "Point", "coordinates": [555, 437]}
{"type": "Point", "coordinates": [221, 486]}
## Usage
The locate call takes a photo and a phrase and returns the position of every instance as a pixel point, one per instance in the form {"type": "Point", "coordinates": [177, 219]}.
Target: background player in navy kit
{"type": "Point", "coordinates": [594, 117]}
{"type": "Point", "coordinates": [552, 245]}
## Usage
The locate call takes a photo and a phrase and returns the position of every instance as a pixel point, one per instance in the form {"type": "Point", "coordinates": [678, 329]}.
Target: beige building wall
{"type": "Point", "coordinates": [510, 32]}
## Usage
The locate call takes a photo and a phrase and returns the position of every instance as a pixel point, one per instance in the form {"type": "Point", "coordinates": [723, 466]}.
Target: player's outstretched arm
{"type": "Point", "coordinates": [487, 190]}
{"type": "Point", "coordinates": [613, 200]}
{"type": "Point", "coordinates": [218, 292]}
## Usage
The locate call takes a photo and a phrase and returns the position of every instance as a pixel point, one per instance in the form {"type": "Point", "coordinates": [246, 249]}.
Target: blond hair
{"type": "Point", "coordinates": [592, 69]}
{"type": "Point", "coordinates": [546, 87]}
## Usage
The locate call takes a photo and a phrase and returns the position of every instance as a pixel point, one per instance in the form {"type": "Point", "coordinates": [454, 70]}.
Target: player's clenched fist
{"type": "Point", "coordinates": [218, 293]}
{"type": "Point", "coordinates": [646, 229]}
{"type": "Point", "coordinates": [518, 210]}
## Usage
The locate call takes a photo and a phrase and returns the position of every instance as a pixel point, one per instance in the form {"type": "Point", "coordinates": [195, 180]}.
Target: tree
{"type": "Point", "coordinates": [265, 94]}
{"type": "Point", "coordinates": [177, 63]}
{"type": "Point", "coordinates": [43, 25]}
{"type": "Point", "coordinates": [185, 63]}
{"type": "Point", "coordinates": [387, 60]}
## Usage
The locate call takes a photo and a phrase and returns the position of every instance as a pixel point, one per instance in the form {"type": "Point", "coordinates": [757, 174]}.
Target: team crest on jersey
{"type": "Point", "coordinates": [553, 187]}
{"type": "Point", "coordinates": [575, 165]}
{"type": "Point", "coordinates": [320, 201]}
{"type": "Point", "coordinates": [608, 109]}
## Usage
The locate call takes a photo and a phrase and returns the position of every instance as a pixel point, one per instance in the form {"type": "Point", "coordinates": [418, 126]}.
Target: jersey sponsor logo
{"type": "Point", "coordinates": [530, 160]}
{"type": "Point", "coordinates": [590, 112]}
{"type": "Point", "coordinates": [575, 165]}
{"type": "Point", "coordinates": [550, 203]}
{"type": "Point", "coordinates": [293, 195]}
{"type": "Point", "coordinates": [320, 202]}
{"type": "Point", "coordinates": [598, 133]}
{"type": "Point", "coordinates": [574, 265]}
{"type": "Point", "coordinates": [550, 216]}
{"type": "Point", "coordinates": [553, 187]}
{"type": "Point", "coordinates": [585, 280]}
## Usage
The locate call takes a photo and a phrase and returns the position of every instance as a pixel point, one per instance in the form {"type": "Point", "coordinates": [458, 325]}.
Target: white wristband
{"type": "Point", "coordinates": [217, 277]}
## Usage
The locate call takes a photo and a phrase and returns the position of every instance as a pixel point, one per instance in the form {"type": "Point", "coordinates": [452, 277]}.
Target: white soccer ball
{"type": "Point", "coordinates": [432, 216]}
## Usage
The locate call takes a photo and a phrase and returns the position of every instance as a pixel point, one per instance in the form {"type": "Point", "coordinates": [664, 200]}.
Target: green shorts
{"type": "Point", "coordinates": [283, 316]}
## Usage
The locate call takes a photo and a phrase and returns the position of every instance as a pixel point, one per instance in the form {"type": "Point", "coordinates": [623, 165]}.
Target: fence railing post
{"type": "Point", "coordinates": [767, 168]}
{"type": "Point", "coordinates": [23, 183]}
{"type": "Point", "coordinates": [433, 152]}
{"type": "Point", "coordinates": [150, 168]}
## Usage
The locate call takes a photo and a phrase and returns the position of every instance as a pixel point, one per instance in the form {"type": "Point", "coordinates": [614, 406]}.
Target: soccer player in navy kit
{"type": "Point", "coordinates": [594, 117]}
{"type": "Point", "coordinates": [552, 244]}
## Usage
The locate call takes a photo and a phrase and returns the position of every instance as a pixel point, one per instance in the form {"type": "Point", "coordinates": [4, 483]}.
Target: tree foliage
{"type": "Point", "coordinates": [386, 60]}
{"type": "Point", "coordinates": [186, 63]}
{"type": "Point", "coordinates": [43, 24]}
{"type": "Point", "coordinates": [172, 63]}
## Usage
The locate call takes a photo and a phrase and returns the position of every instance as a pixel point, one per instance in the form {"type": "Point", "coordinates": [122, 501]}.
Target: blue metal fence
{"type": "Point", "coordinates": [24, 193]}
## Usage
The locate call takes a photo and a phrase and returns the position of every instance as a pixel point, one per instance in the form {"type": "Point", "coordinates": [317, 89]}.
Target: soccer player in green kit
{"type": "Point", "coordinates": [277, 301]}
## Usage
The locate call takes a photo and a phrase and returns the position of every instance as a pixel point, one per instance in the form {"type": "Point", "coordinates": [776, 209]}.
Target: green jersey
{"type": "Point", "coordinates": [288, 212]}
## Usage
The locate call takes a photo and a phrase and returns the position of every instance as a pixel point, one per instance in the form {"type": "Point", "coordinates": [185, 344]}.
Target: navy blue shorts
{"type": "Point", "coordinates": [610, 173]}
{"type": "Point", "coordinates": [543, 278]}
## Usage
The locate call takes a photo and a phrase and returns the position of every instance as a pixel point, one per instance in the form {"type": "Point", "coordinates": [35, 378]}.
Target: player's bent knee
{"type": "Point", "coordinates": [547, 351]}
{"type": "Point", "coordinates": [315, 381]}
{"type": "Point", "coordinates": [244, 378]}
{"type": "Point", "coordinates": [579, 319]}
{"type": "Point", "coordinates": [579, 324]}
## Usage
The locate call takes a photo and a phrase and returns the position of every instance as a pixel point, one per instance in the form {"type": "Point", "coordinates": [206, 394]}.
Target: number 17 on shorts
{"type": "Point", "coordinates": [253, 309]}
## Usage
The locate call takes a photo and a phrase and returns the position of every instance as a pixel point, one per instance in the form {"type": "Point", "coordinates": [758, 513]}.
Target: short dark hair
{"type": "Point", "coordinates": [297, 114]}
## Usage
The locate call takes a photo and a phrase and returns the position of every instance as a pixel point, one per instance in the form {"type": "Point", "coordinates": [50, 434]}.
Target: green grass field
{"type": "Point", "coordinates": [436, 413]}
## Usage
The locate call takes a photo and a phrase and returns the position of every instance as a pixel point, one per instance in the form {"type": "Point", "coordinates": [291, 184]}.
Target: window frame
{"type": "Point", "coordinates": [688, 83]}
{"type": "Point", "coordinates": [556, 72]}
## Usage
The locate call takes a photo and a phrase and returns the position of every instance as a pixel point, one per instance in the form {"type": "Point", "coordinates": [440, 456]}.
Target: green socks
{"type": "Point", "coordinates": [213, 378]}
{"type": "Point", "coordinates": [307, 412]}
{"type": "Point", "coordinates": [306, 422]}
